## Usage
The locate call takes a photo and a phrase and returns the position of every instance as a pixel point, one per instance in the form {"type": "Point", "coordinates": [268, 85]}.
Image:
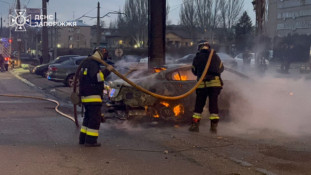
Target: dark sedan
{"type": "Point", "coordinates": [65, 71]}
{"type": "Point", "coordinates": [42, 69]}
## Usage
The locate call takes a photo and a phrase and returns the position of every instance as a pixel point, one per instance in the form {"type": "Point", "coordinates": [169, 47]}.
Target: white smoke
{"type": "Point", "coordinates": [275, 104]}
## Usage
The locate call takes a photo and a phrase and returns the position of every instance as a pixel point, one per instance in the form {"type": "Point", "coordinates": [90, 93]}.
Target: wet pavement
{"type": "Point", "coordinates": [36, 140]}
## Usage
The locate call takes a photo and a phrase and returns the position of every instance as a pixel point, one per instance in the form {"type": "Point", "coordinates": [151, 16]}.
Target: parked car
{"type": "Point", "coordinates": [239, 59]}
{"type": "Point", "coordinates": [131, 58]}
{"type": "Point", "coordinates": [305, 68]}
{"type": "Point", "coordinates": [65, 71]}
{"type": "Point", "coordinates": [225, 58]}
{"type": "Point", "coordinates": [185, 59]}
{"type": "Point", "coordinates": [28, 59]}
{"type": "Point", "coordinates": [228, 60]}
{"type": "Point", "coordinates": [168, 59]}
{"type": "Point", "coordinates": [171, 81]}
{"type": "Point", "coordinates": [42, 69]}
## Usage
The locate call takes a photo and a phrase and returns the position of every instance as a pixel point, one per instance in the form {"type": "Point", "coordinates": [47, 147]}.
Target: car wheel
{"type": "Point", "coordinates": [44, 73]}
{"type": "Point", "coordinates": [70, 81]}
{"type": "Point", "coordinates": [168, 112]}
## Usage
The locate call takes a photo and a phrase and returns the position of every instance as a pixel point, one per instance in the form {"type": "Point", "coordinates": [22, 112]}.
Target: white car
{"type": "Point", "coordinates": [227, 60]}
{"type": "Point", "coordinates": [239, 59]}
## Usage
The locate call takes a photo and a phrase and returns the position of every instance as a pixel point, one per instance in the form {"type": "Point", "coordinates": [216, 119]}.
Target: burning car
{"type": "Point", "coordinates": [171, 80]}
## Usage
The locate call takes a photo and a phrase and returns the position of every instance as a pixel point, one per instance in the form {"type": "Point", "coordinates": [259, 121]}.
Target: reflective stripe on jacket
{"type": "Point", "coordinates": [213, 75]}
{"type": "Point", "coordinates": [100, 76]}
{"type": "Point", "coordinates": [91, 80]}
{"type": "Point", "coordinates": [91, 99]}
{"type": "Point", "coordinates": [212, 83]}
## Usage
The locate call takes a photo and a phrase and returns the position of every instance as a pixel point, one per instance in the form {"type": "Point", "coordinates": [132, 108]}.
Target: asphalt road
{"type": "Point", "coordinates": [34, 139]}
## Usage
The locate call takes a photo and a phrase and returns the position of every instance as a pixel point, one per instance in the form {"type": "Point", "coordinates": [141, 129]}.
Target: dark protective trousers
{"type": "Point", "coordinates": [202, 94]}
{"type": "Point", "coordinates": [2, 68]}
{"type": "Point", "coordinates": [91, 121]}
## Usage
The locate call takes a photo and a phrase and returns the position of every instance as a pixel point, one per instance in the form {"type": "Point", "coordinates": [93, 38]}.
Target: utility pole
{"type": "Point", "coordinates": [45, 40]}
{"type": "Point", "coordinates": [1, 28]}
{"type": "Point", "coordinates": [98, 26]}
{"type": "Point", "coordinates": [55, 38]}
{"type": "Point", "coordinates": [260, 10]}
{"type": "Point", "coordinates": [19, 40]}
{"type": "Point", "coordinates": [156, 30]}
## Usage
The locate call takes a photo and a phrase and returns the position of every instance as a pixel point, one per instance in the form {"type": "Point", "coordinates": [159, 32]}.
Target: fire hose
{"type": "Point", "coordinates": [75, 97]}
{"type": "Point", "coordinates": [42, 99]}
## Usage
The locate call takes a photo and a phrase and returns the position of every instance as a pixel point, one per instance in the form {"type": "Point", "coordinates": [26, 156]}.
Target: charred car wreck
{"type": "Point", "coordinates": [171, 80]}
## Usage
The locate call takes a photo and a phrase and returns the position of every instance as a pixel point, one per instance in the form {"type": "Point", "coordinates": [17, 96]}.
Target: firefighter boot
{"type": "Point", "coordinates": [214, 124]}
{"type": "Point", "coordinates": [102, 118]}
{"type": "Point", "coordinates": [195, 125]}
{"type": "Point", "coordinates": [82, 138]}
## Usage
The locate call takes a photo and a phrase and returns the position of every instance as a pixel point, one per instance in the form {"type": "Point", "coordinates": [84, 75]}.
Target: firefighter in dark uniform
{"type": "Point", "coordinates": [210, 86]}
{"type": "Point", "coordinates": [91, 84]}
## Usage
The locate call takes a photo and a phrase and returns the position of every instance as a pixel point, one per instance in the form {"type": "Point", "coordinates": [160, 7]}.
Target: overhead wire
{"type": "Point", "coordinates": [179, 5]}
{"type": "Point", "coordinates": [27, 3]}
{"type": "Point", "coordinates": [86, 13]}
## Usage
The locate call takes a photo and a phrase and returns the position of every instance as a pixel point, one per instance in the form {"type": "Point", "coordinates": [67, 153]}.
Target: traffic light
{"type": "Point", "coordinates": [10, 40]}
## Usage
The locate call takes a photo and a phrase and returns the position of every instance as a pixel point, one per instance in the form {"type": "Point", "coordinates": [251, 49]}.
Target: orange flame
{"type": "Point", "coordinates": [157, 70]}
{"type": "Point", "coordinates": [156, 116]}
{"type": "Point", "coordinates": [178, 110]}
{"type": "Point", "coordinates": [178, 77]}
{"type": "Point", "coordinates": [165, 104]}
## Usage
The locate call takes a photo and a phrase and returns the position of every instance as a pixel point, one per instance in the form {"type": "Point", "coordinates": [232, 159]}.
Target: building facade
{"type": "Point", "coordinates": [74, 37]}
{"type": "Point", "coordinates": [288, 17]}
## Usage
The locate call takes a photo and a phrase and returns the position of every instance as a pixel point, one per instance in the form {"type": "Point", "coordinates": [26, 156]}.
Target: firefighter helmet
{"type": "Point", "coordinates": [203, 45]}
{"type": "Point", "coordinates": [101, 50]}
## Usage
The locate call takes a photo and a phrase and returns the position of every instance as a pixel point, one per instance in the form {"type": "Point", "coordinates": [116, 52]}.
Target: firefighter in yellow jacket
{"type": "Point", "coordinates": [210, 86]}
{"type": "Point", "coordinates": [91, 84]}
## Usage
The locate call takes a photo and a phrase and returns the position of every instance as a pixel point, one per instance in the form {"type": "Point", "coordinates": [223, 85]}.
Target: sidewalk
{"type": "Point", "coordinates": [54, 88]}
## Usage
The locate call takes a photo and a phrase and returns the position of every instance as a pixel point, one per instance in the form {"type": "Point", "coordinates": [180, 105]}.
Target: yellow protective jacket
{"type": "Point", "coordinates": [213, 76]}
{"type": "Point", "coordinates": [91, 82]}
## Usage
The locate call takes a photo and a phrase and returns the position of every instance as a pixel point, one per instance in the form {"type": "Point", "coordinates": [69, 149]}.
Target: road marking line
{"type": "Point", "coordinates": [17, 101]}
{"type": "Point", "coordinates": [23, 80]}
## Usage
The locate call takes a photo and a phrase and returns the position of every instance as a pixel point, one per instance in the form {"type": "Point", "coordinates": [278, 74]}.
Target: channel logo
{"type": "Point", "coordinates": [20, 20]}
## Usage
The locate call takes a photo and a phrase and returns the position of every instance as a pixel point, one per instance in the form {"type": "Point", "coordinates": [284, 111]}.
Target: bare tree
{"type": "Point", "coordinates": [135, 21]}
{"type": "Point", "coordinates": [230, 10]}
{"type": "Point", "coordinates": [204, 14]}
{"type": "Point", "coordinates": [200, 14]}
{"type": "Point", "coordinates": [188, 16]}
{"type": "Point", "coordinates": [223, 6]}
{"type": "Point", "coordinates": [214, 18]}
